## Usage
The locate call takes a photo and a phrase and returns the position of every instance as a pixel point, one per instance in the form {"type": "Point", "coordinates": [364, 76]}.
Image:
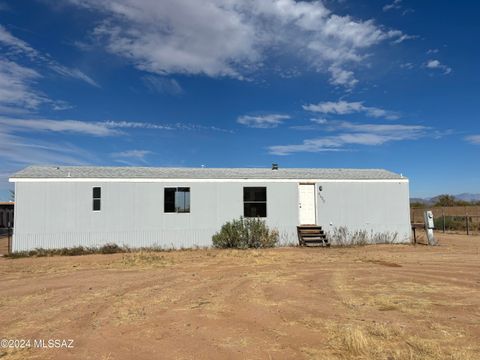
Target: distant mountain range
{"type": "Point", "coordinates": [462, 197]}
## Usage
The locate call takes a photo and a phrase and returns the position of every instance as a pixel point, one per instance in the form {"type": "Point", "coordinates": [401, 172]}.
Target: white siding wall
{"type": "Point", "coordinates": [377, 207]}
{"type": "Point", "coordinates": [59, 214]}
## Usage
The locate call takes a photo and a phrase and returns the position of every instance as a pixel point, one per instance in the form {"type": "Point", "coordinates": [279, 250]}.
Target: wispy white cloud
{"type": "Point", "coordinates": [136, 125]}
{"type": "Point", "coordinates": [18, 46]}
{"type": "Point", "coordinates": [131, 157]}
{"type": "Point", "coordinates": [262, 121]}
{"type": "Point", "coordinates": [342, 77]}
{"type": "Point", "coordinates": [437, 65]}
{"type": "Point", "coordinates": [104, 128]}
{"type": "Point", "coordinates": [162, 85]}
{"type": "Point", "coordinates": [395, 5]}
{"type": "Point", "coordinates": [19, 79]}
{"type": "Point", "coordinates": [407, 65]}
{"type": "Point", "coordinates": [155, 126]}
{"type": "Point", "coordinates": [73, 73]}
{"type": "Point", "coordinates": [139, 154]}
{"type": "Point", "coordinates": [233, 38]}
{"type": "Point", "coordinates": [19, 151]}
{"type": "Point", "coordinates": [320, 121]}
{"type": "Point", "coordinates": [315, 125]}
{"type": "Point", "coordinates": [60, 105]}
{"type": "Point", "coordinates": [63, 126]}
{"type": "Point", "coordinates": [409, 131]}
{"type": "Point", "coordinates": [16, 87]}
{"type": "Point", "coordinates": [19, 143]}
{"type": "Point", "coordinates": [344, 108]}
{"type": "Point", "coordinates": [351, 134]}
{"type": "Point", "coordinates": [473, 139]}
{"type": "Point", "coordinates": [405, 37]}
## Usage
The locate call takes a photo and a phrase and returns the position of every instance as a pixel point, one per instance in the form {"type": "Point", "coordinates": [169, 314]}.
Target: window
{"type": "Point", "coordinates": [255, 202]}
{"type": "Point", "coordinates": [177, 200]}
{"type": "Point", "coordinates": [97, 196]}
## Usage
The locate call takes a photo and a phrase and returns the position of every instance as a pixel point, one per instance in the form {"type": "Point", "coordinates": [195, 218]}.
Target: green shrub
{"type": "Point", "coordinates": [245, 233]}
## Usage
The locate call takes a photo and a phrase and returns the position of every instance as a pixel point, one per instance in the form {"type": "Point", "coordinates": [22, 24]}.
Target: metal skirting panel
{"type": "Point", "coordinates": [167, 239]}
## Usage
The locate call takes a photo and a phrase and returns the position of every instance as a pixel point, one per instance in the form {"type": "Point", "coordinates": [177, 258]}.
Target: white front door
{"type": "Point", "coordinates": [306, 203]}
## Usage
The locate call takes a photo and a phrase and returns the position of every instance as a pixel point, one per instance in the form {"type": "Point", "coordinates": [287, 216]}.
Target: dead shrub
{"type": "Point", "coordinates": [73, 251]}
{"type": "Point", "coordinates": [341, 236]}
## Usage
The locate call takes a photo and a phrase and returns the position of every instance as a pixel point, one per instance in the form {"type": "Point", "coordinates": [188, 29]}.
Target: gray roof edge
{"type": "Point", "coordinates": [48, 172]}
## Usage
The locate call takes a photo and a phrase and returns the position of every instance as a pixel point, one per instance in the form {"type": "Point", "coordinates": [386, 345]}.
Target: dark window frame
{"type": "Point", "coordinates": [97, 198]}
{"type": "Point", "coordinates": [170, 205]}
{"type": "Point", "coordinates": [255, 199]}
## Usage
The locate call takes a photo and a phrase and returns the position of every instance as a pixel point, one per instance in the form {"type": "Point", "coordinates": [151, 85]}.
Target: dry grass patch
{"type": "Point", "coordinates": [427, 349]}
{"type": "Point", "coordinates": [19, 354]}
{"type": "Point", "coordinates": [146, 259]}
{"type": "Point", "coordinates": [384, 331]}
{"type": "Point", "coordinates": [355, 341]}
{"type": "Point", "coordinates": [387, 342]}
{"type": "Point", "coordinates": [403, 303]}
{"type": "Point", "coordinates": [352, 303]}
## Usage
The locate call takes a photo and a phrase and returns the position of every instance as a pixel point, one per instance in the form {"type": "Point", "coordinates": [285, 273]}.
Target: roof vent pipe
{"type": "Point", "coordinates": [274, 166]}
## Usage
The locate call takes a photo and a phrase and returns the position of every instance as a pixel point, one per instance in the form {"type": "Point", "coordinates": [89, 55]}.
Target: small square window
{"type": "Point", "coordinates": [177, 200]}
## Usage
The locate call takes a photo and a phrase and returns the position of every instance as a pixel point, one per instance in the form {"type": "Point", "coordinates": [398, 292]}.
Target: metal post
{"type": "Point", "coordinates": [467, 221]}
{"type": "Point", "coordinates": [9, 240]}
{"type": "Point", "coordinates": [443, 217]}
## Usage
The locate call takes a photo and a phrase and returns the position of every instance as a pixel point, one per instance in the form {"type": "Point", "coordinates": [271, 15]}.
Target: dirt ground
{"type": "Point", "coordinates": [3, 244]}
{"type": "Point", "coordinates": [372, 302]}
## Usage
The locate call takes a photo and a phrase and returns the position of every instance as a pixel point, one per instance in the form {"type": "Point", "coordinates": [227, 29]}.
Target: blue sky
{"type": "Point", "coordinates": [222, 83]}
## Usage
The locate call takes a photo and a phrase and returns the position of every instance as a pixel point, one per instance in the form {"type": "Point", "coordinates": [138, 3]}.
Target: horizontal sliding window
{"type": "Point", "coordinates": [255, 202]}
{"type": "Point", "coordinates": [177, 200]}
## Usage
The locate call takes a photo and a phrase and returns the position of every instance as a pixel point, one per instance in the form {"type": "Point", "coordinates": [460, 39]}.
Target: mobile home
{"type": "Point", "coordinates": [62, 206]}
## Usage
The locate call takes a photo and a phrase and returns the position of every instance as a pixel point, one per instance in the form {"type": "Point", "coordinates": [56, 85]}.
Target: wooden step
{"type": "Point", "coordinates": [312, 241]}
{"type": "Point", "coordinates": [315, 233]}
{"type": "Point", "coordinates": [310, 230]}
{"type": "Point", "coordinates": [314, 238]}
{"type": "Point", "coordinates": [312, 235]}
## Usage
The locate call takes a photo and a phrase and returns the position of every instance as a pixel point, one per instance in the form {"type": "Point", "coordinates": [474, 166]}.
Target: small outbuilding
{"type": "Point", "coordinates": [6, 214]}
{"type": "Point", "coordinates": [62, 206]}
